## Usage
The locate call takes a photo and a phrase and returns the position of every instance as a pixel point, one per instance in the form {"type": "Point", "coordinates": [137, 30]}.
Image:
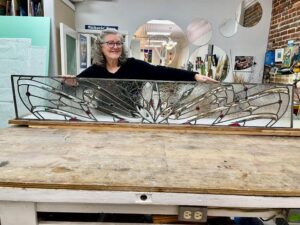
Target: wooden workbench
{"type": "Point", "coordinates": [95, 162]}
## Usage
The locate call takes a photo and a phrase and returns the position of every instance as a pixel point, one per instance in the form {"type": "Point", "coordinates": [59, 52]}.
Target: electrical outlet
{"type": "Point", "coordinates": [192, 214]}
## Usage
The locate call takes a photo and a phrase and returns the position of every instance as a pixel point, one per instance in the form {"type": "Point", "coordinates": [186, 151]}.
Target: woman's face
{"type": "Point", "coordinates": [112, 47]}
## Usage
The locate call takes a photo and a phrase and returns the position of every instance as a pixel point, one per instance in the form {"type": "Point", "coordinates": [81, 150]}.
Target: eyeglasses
{"type": "Point", "coordinates": [111, 44]}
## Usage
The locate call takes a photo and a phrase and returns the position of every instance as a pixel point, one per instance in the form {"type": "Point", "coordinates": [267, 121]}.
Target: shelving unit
{"type": "Point", "coordinates": [24, 8]}
{"type": "Point", "coordinates": [35, 8]}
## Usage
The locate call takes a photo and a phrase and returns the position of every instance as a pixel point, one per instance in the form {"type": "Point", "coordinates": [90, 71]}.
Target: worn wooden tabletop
{"type": "Point", "coordinates": [150, 161]}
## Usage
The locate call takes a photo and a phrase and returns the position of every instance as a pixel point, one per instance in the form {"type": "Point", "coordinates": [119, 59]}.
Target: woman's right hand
{"type": "Point", "coordinates": [70, 80]}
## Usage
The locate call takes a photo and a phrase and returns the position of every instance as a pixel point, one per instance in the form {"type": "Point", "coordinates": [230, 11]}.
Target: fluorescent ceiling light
{"type": "Point", "coordinates": [159, 33]}
{"type": "Point", "coordinates": [157, 41]}
{"type": "Point", "coordinates": [167, 22]}
{"type": "Point", "coordinates": [153, 46]}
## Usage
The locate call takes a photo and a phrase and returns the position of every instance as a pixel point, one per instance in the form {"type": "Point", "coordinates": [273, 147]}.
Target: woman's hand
{"type": "Point", "coordinates": [70, 80]}
{"type": "Point", "coordinates": [205, 79]}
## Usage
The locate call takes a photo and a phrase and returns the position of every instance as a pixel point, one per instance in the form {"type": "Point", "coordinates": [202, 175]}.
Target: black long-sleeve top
{"type": "Point", "coordinates": [139, 70]}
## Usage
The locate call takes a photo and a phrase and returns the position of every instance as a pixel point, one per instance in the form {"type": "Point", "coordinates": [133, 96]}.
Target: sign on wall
{"type": "Point", "coordinates": [100, 27]}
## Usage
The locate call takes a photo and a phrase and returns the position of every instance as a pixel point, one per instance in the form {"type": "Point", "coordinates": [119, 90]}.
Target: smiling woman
{"type": "Point", "coordinates": [110, 51]}
{"type": "Point", "coordinates": [111, 61]}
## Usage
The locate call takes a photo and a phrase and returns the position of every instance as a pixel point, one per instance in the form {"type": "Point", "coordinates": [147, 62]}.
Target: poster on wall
{"type": "Point", "coordinates": [288, 56]}
{"type": "Point", "coordinates": [244, 63]}
{"type": "Point", "coordinates": [83, 51]}
{"type": "Point", "coordinates": [279, 55]}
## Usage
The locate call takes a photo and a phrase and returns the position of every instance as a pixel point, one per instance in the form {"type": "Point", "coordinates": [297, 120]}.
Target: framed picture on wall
{"type": "Point", "coordinates": [279, 54]}
{"type": "Point", "coordinates": [244, 63]}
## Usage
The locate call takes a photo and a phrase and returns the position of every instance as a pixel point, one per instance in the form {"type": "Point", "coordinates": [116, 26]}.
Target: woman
{"type": "Point", "coordinates": [110, 61]}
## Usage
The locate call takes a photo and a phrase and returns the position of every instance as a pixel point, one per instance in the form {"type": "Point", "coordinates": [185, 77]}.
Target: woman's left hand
{"type": "Point", "coordinates": [205, 79]}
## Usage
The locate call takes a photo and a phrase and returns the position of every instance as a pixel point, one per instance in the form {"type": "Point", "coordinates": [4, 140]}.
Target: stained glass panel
{"type": "Point", "coordinates": [158, 102]}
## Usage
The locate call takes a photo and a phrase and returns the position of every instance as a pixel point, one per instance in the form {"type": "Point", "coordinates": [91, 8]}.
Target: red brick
{"type": "Point", "coordinates": [281, 43]}
{"type": "Point", "coordinates": [283, 32]}
{"type": "Point", "coordinates": [290, 31]}
{"type": "Point", "coordinates": [291, 10]}
{"type": "Point", "coordinates": [295, 36]}
{"type": "Point", "coordinates": [276, 21]}
{"type": "Point", "coordinates": [296, 4]}
{"type": "Point", "coordinates": [287, 37]}
{"type": "Point", "coordinates": [278, 16]}
{"type": "Point", "coordinates": [284, 22]}
{"type": "Point", "coordinates": [275, 4]}
{"type": "Point", "coordinates": [274, 27]}
{"type": "Point", "coordinates": [289, 21]}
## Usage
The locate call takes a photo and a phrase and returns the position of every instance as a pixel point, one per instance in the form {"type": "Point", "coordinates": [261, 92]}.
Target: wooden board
{"type": "Point", "coordinates": [150, 161]}
{"type": "Point", "coordinates": [261, 131]}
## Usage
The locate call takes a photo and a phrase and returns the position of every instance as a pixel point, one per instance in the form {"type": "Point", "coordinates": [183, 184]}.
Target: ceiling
{"type": "Point", "coordinates": [174, 30]}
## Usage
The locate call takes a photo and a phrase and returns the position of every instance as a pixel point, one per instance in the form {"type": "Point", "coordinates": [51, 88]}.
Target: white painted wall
{"type": "Point", "coordinates": [130, 14]}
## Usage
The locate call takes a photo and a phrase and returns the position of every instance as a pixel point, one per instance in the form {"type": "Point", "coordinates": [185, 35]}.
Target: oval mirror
{"type": "Point", "coordinates": [199, 32]}
{"type": "Point", "coordinates": [211, 61]}
{"type": "Point", "coordinates": [229, 27]}
{"type": "Point", "coordinates": [249, 13]}
{"type": "Point", "coordinates": [160, 42]}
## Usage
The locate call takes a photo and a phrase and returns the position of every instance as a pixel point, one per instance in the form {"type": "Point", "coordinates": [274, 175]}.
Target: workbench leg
{"type": "Point", "coordinates": [18, 213]}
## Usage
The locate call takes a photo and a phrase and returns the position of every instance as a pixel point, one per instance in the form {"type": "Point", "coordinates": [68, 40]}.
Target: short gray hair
{"type": "Point", "coordinates": [99, 59]}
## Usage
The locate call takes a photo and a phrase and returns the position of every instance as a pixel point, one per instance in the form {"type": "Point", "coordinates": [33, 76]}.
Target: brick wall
{"type": "Point", "coordinates": [252, 15]}
{"type": "Point", "coordinates": [285, 23]}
